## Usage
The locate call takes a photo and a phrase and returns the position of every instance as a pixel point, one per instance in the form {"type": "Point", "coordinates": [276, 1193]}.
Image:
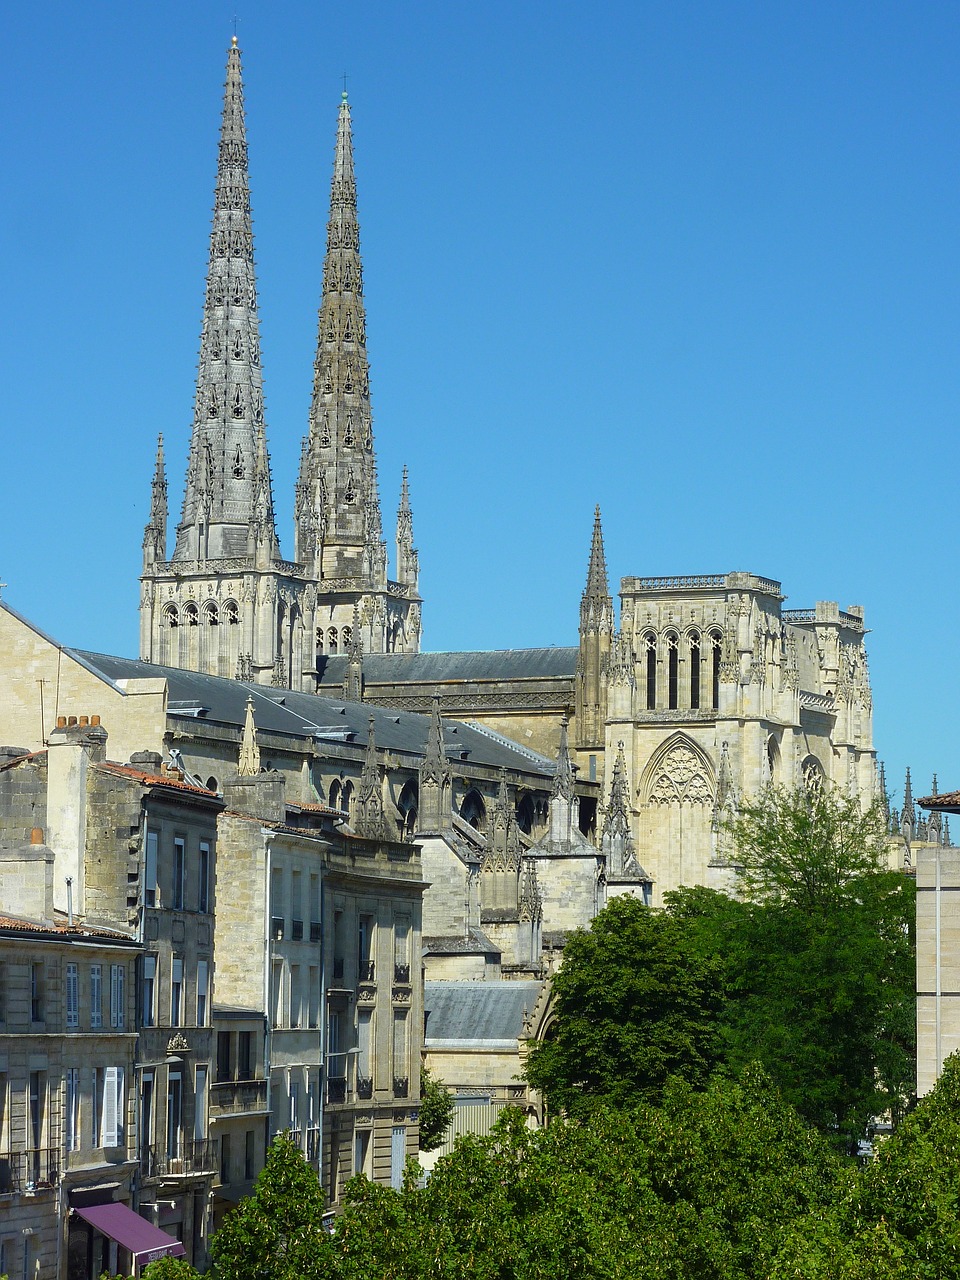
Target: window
{"type": "Point", "coordinates": [36, 993]}
{"type": "Point", "coordinates": [225, 1159]}
{"type": "Point", "coordinates": [364, 1039]}
{"type": "Point", "coordinates": [650, 647]}
{"type": "Point", "coordinates": [117, 980]}
{"type": "Point", "coordinates": [203, 871]}
{"type": "Point", "coordinates": [364, 943]}
{"type": "Point", "coordinates": [313, 998]}
{"type": "Point", "coordinates": [112, 1110]}
{"type": "Point", "coordinates": [150, 870]}
{"type": "Point", "coordinates": [361, 1151]}
{"type": "Point", "coordinates": [398, 1154]}
{"type": "Point", "coordinates": [276, 992]}
{"type": "Point", "coordinates": [245, 1055]}
{"type": "Point", "coordinates": [200, 1104]}
{"type": "Point", "coordinates": [673, 672]}
{"type": "Point", "coordinates": [203, 983]}
{"type": "Point", "coordinates": [315, 928]}
{"type": "Point", "coordinates": [695, 672]}
{"type": "Point", "coordinates": [277, 905]}
{"type": "Point", "coordinates": [295, 996]}
{"type": "Point", "coordinates": [72, 1117]}
{"type": "Point", "coordinates": [37, 1101]}
{"type": "Point", "coordinates": [146, 1114]}
{"type": "Point", "coordinates": [224, 1067]}
{"type": "Point", "coordinates": [174, 1114]}
{"type": "Point", "coordinates": [401, 949]}
{"type": "Point", "coordinates": [148, 996]}
{"type": "Point", "coordinates": [400, 1049]}
{"type": "Point", "coordinates": [176, 991]}
{"type": "Point", "coordinates": [96, 996]}
{"type": "Point", "coordinates": [179, 871]}
{"type": "Point", "coordinates": [294, 1105]}
{"type": "Point", "coordinates": [4, 1135]}
{"type": "Point", "coordinates": [249, 1154]}
{"type": "Point", "coordinates": [715, 643]}
{"type": "Point", "coordinates": [73, 997]}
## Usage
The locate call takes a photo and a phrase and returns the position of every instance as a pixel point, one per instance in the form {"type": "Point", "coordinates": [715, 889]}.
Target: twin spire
{"type": "Point", "coordinates": [228, 508]}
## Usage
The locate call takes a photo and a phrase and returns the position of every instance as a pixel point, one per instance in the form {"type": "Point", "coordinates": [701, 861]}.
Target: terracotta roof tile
{"type": "Point", "coordinates": [153, 779]}
{"type": "Point", "coordinates": [65, 930]}
{"type": "Point", "coordinates": [949, 800]}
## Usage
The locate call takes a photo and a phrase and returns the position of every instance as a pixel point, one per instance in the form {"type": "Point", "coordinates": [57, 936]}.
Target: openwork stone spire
{"type": "Point", "coordinates": [370, 797]}
{"type": "Point", "coordinates": [435, 813]}
{"type": "Point", "coordinates": [223, 483]}
{"type": "Point", "coordinates": [408, 561]}
{"type": "Point", "coordinates": [339, 530]}
{"type": "Point", "coordinates": [249, 765]}
{"type": "Point", "coordinates": [616, 842]}
{"type": "Point", "coordinates": [155, 534]}
{"type": "Point", "coordinates": [563, 777]}
{"type": "Point", "coordinates": [596, 605]}
{"type": "Point", "coordinates": [908, 814]}
{"type": "Point", "coordinates": [353, 679]}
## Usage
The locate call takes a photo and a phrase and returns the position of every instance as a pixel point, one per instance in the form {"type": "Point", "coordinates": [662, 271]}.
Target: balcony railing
{"type": "Point", "coordinates": [31, 1170]}
{"type": "Point", "coordinates": [296, 930]}
{"type": "Point", "coordinates": [364, 1087]}
{"type": "Point", "coordinates": [238, 1095]}
{"type": "Point", "coordinates": [316, 930]}
{"type": "Point", "coordinates": [337, 1090]}
{"type": "Point", "coordinates": [401, 1086]}
{"type": "Point", "coordinates": [199, 1156]}
{"type": "Point", "coordinates": [365, 971]}
{"type": "Point", "coordinates": [401, 973]}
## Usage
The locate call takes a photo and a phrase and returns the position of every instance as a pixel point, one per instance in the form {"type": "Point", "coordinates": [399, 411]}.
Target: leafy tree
{"type": "Point", "coordinates": [634, 1005]}
{"type": "Point", "coordinates": [436, 1111]}
{"type": "Point", "coordinates": [170, 1269]}
{"type": "Point", "coordinates": [277, 1233]}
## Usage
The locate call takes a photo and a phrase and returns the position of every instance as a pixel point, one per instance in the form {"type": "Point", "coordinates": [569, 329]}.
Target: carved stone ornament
{"type": "Point", "coordinates": [681, 779]}
{"type": "Point", "coordinates": [178, 1043]}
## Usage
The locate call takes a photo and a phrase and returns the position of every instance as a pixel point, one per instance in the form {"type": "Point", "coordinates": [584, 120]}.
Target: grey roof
{"type": "Point", "coordinates": [480, 1013]}
{"type": "Point", "coordinates": [217, 699]}
{"type": "Point", "coordinates": [437, 668]}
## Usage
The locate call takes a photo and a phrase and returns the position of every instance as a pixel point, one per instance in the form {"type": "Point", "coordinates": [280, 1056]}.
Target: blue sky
{"type": "Point", "coordinates": [696, 262]}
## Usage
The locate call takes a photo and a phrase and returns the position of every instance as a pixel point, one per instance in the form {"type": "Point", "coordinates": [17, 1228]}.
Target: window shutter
{"type": "Point", "coordinates": [121, 975]}
{"type": "Point", "coordinates": [113, 995]}
{"type": "Point", "coordinates": [73, 996]}
{"type": "Point", "coordinates": [96, 996]}
{"type": "Point", "coordinates": [109, 1125]}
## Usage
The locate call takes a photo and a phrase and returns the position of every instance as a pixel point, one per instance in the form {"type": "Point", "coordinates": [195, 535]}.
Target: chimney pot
{"type": "Point", "coordinates": [95, 720]}
{"type": "Point", "coordinates": [71, 720]}
{"type": "Point", "coordinates": [84, 721]}
{"type": "Point", "coordinates": [36, 835]}
{"type": "Point", "coordinates": [61, 722]}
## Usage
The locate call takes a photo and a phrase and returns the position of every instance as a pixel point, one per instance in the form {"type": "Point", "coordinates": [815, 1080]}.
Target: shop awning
{"type": "Point", "coordinates": [146, 1242]}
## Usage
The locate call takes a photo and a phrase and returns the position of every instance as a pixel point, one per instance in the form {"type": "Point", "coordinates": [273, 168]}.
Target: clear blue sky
{"type": "Point", "coordinates": [696, 262]}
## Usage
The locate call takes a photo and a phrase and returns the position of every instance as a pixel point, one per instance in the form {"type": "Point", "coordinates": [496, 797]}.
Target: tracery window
{"type": "Point", "coordinates": [695, 672]}
{"type": "Point", "coordinates": [332, 641]}
{"type": "Point", "coordinates": [190, 615]}
{"type": "Point", "coordinates": [650, 659]}
{"type": "Point", "coordinates": [346, 638]}
{"type": "Point", "coordinates": [211, 615]}
{"type": "Point", "coordinates": [171, 617]}
{"type": "Point", "coordinates": [673, 671]}
{"type": "Point", "coordinates": [238, 345]}
{"type": "Point", "coordinates": [811, 772]}
{"type": "Point", "coordinates": [716, 646]}
{"type": "Point", "coordinates": [319, 639]}
{"type": "Point", "coordinates": [238, 464]}
{"type": "Point", "coordinates": [231, 613]}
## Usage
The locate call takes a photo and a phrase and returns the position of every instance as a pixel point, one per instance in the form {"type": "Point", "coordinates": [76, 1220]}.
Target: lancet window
{"type": "Point", "coordinates": [673, 670]}
{"type": "Point", "coordinates": [650, 662]}
{"type": "Point", "coordinates": [716, 646]}
{"type": "Point", "coordinates": [333, 645]}
{"type": "Point", "coordinates": [695, 672]}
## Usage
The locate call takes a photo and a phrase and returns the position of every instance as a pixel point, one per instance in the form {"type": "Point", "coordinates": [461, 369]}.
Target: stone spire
{"type": "Point", "coordinates": [596, 631]}
{"type": "Point", "coordinates": [262, 532]}
{"type": "Point", "coordinates": [435, 812]}
{"type": "Point", "coordinates": [353, 679]}
{"type": "Point", "coordinates": [503, 845]}
{"type": "Point", "coordinates": [908, 815]}
{"type": "Point", "coordinates": [596, 605]}
{"type": "Point", "coordinates": [408, 561]}
{"type": "Point", "coordinates": [935, 821]}
{"type": "Point", "coordinates": [249, 765]}
{"type": "Point", "coordinates": [563, 815]}
{"type": "Point", "coordinates": [339, 531]}
{"type": "Point", "coordinates": [563, 776]}
{"type": "Point", "coordinates": [616, 841]}
{"type": "Point", "coordinates": [155, 534]}
{"type": "Point", "coordinates": [370, 796]}
{"type": "Point", "coordinates": [220, 494]}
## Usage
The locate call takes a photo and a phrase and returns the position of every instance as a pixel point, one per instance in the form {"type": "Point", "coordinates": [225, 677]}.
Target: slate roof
{"type": "Point", "coordinates": [487, 1014]}
{"type": "Point", "coordinates": [216, 699]}
{"type": "Point", "coordinates": [465, 666]}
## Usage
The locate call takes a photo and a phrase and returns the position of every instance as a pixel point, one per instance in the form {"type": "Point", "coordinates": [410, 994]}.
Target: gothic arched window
{"type": "Point", "coordinates": [695, 672]}
{"type": "Point", "coordinates": [473, 810]}
{"type": "Point", "coordinates": [346, 638]}
{"type": "Point", "coordinates": [211, 615]}
{"type": "Point", "coordinates": [346, 795]}
{"type": "Point", "coordinates": [332, 641]}
{"type": "Point", "coordinates": [171, 617]}
{"type": "Point", "coordinates": [716, 645]}
{"type": "Point", "coordinates": [334, 797]}
{"type": "Point", "coordinates": [190, 615]}
{"type": "Point", "coordinates": [650, 660]}
{"type": "Point", "coordinates": [319, 639]}
{"type": "Point", "coordinates": [673, 671]}
{"type": "Point", "coordinates": [231, 613]}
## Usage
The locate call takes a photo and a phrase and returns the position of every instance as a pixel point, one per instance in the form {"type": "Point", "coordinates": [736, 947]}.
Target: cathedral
{"type": "Point", "coordinates": [708, 689]}
{"type": "Point", "coordinates": [227, 603]}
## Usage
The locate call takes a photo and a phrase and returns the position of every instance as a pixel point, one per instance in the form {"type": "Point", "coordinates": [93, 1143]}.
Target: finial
{"type": "Point", "coordinates": [249, 750]}
{"type": "Point", "coordinates": [343, 96]}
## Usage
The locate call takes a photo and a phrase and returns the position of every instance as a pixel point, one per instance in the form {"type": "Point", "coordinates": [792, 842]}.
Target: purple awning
{"type": "Point", "coordinates": [146, 1242]}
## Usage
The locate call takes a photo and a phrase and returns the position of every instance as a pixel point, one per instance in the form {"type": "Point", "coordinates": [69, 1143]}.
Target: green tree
{"type": "Point", "coordinates": [635, 1004]}
{"type": "Point", "coordinates": [436, 1111]}
{"type": "Point", "coordinates": [820, 959]}
{"type": "Point", "coordinates": [170, 1269]}
{"type": "Point", "coordinates": [277, 1233]}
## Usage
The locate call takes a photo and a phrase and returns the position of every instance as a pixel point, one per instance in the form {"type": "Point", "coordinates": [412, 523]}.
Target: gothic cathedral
{"type": "Point", "coordinates": [227, 603]}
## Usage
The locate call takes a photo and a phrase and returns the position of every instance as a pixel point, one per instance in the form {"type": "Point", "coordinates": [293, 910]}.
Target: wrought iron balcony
{"type": "Point", "coordinates": [314, 1145]}
{"type": "Point", "coordinates": [337, 1090]}
{"type": "Point", "coordinates": [35, 1169]}
{"type": "Point", "coordinates": [238, 1095]}
{"type": "Point", "coordinates": [401, 1086]}
{"type": "Point", "coordinates": [316, 930]}
{"type": "Point", "coordinates": [401, 973]}
{"type": "Point", "coordinates": [366, 971]}
{"type": "Point", "coordinates": [276, 928]}
{"type": "Point", "coordinates": [296, 930]}
{"type": "Point", "coordinates": [201, 1155]}
{"type": "Point", "coordinates": [364, 1087]}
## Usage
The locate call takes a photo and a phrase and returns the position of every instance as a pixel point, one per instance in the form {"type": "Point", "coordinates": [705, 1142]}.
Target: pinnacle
{"type": "Point", "coordinates": [597, 569]}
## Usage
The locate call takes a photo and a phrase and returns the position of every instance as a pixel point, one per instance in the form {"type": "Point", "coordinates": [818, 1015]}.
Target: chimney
{"type": "Point", "coordinates": [71, 749]}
